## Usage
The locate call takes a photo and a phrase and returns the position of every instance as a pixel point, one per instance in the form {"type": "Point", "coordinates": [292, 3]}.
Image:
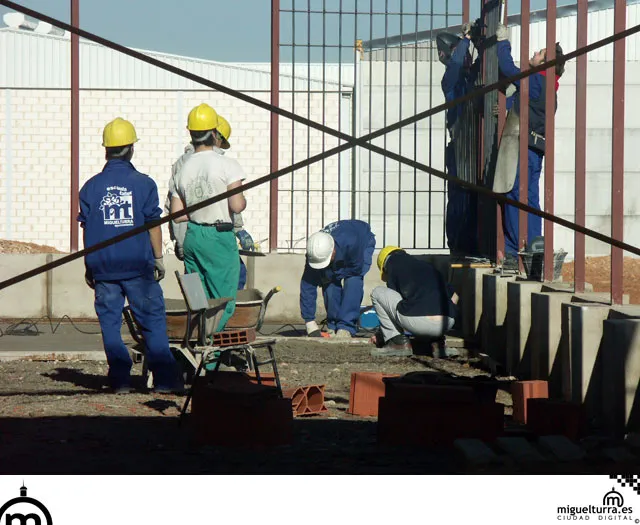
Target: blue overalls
{"type": "Point", "coordinates": [462, 205]}
{"type": "Point", "coordinates": [112, 202]}
{"type": "Point", "coordinates": [342, 281]}
{"type": "Point", "coordinates": [537, 123]}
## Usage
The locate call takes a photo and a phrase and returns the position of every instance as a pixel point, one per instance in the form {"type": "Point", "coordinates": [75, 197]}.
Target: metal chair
{"type": "Point", "coordinates": [208, 317]}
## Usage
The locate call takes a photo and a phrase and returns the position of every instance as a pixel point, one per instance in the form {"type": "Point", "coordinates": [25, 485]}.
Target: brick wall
{"type": "Point", "coordinates": [35, 127]}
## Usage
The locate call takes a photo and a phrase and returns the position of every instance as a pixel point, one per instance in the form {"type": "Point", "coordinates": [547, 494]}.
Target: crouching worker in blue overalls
{"type": "Point", "coordinates": [112, 202]}
{"type": "Point", "coordinates": [338, 258]}
{"type": "Point", "coordinates": [416, 299]}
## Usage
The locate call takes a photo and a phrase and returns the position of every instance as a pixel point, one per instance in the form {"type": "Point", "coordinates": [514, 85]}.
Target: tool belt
{"type": "Point", "coordinates": [536, 141]}
{"type": "Point", "coordinates": [220, 226]}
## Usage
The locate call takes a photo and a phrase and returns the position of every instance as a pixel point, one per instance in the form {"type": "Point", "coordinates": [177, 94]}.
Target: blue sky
{"type": "Point", "coordinates": [239, 30]}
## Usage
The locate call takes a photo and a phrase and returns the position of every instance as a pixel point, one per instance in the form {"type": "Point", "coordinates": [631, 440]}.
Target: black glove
{"type": "Point", "coordinates": [88, 278]}
{"type": "Point", "coordinates": [179, 251]}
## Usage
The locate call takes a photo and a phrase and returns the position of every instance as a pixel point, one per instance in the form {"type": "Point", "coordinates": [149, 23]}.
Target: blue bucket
{"type": "Point", "coordinates": [368, 319]}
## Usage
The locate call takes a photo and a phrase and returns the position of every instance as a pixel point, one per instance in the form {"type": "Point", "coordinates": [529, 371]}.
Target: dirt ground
{"type": "Point", "coordinates": [57, 417]}
{"type": "Point", "coordinates": [598, 273]}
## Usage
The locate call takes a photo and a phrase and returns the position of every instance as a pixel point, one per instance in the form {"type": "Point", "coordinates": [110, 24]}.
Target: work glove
{"type": "Point", "coordinates": [88, 278]}
{"type": "Point", "coordinates": [466, 30]}
{"type": "Point", "coordinates": [313, 330]}
{"type": "Point", "coordinates": [502, 33]}
{"type": "Point", "coordinates": [158, 270]}
{"type": "Point", "coordinates": [179, 251]}
{"type": "Point", "coordinates": [246, 242]}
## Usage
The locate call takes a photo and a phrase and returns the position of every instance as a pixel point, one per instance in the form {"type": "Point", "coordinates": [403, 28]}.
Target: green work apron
{"type": "Point", "coordinates": [214, 255]}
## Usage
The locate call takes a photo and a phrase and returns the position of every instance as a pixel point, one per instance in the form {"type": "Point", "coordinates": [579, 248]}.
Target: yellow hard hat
{"type": "Point", "coordinates": [224, 128]}
{"type": "Point", "coordinates": [202, 118]}
{"type": "Point", "coordinates": [119, 132]}
{"type": "Point", "coordinates": [382, 258]}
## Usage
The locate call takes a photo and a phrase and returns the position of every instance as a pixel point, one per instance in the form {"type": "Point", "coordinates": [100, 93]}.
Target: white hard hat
{"type": "Point", "coordinates": [320, 250]}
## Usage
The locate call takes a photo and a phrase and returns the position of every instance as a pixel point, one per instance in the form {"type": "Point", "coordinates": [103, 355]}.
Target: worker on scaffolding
{"type": "Point", "coordinates": [338, 258]}
{"type": "Point", "coordinates": [416, 300]}
{"type": "Point", "coordinates": [112, 202]}
{"type": "Point", "coordinates": [178, 230]}
{"type": "Point", "coordinates": [507, 176]}
{"type": "Point", "coordinates": [210, 246]}
{"type": "Point", "coordinates": [459, 79]}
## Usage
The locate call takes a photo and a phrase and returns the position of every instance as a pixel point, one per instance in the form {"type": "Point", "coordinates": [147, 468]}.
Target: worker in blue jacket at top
{"type": "Point", "coordinates": [112, 202]}
{"type": "Point", "coordinates": [536, 132]}
{"type": "Point", "coordinates": [458, 80]}
{"type": "Point", "coordinates": [338, 258]}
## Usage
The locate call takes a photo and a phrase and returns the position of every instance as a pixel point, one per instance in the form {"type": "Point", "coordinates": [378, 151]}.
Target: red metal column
{"type": "Point", "coordinates": [549, 133]}
{"type": "Point", "coordinates": [524, 122]}
{"type": "Point", "coordinates": [275, 100]}
{"type": "Point", "coordinates": [581, 148]}
{"type": "Point", "coordinates": [465, 11]}
{"type": "Point", "coordinates": [502, 117]}
{"type": "Point", "coordinates": [617, 152]}
{"type": "Point", "coordinates": [75, 128]}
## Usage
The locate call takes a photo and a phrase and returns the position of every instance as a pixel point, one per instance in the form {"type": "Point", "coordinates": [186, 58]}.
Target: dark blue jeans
{"type": "Point", "coordinates": [147, 303]}
{"type": "Point", "coordinates": [511, 213]}
{"type": "Point", "coordinates": [243, 275]}
{"type": "Point", "coordinates": [462, 213]}
{"type": "Point", "coordinates": [342, 300]}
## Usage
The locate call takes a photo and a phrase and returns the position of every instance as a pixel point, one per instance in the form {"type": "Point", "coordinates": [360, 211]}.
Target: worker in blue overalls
{"type": "Point", "coordinates": [507, 176]}
{"type": "Point", "coordinates": [338, 258]}
{"type": "Point", "coordinates": [458, 80]}
{"type": "Point", "coordinates": [112, 202]}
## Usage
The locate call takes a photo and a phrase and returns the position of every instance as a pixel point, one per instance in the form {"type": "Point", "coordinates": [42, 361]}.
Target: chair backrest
{"type": "Point", "coordinates": [193, 291]}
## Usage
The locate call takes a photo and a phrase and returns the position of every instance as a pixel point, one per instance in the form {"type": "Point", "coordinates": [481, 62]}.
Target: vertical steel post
{"type": "Point", "coordinates": [502, 117]}
{"type": "Point", "coordinates": [617, 152]}
{"type": "Point", "coordinates": [549, 133]}
{"type": "Point", "coordinates": [75, 128]}
{"type": "Point", "coordinates": [581, 148]}
{"type": "Point", "coordinates": [274, 146]}
{"type": "Point", "coordinates": [524, 123]}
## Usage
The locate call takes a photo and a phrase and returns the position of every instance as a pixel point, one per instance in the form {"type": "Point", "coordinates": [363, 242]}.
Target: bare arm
{"type": "Point", "coordinates": [155, 234]}
{"type": "Point", "coordinates": [237, 202]}
{"type": "Point", "coordinates": [178, 205]}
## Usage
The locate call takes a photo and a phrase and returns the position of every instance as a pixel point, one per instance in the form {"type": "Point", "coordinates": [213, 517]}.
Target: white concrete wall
{"type": "Point", "coordinates": [35, 167]}
{"type": "Point", "coordinates": [401, 223]}
{"type": "Point", "coordinates": [69, 295]}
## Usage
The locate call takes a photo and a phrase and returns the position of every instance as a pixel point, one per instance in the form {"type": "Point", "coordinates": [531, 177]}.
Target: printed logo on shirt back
{"type": "Point", "coordinates": [117, 207]}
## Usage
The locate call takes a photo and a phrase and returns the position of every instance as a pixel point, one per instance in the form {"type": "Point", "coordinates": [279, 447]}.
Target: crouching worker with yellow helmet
{"type": "Point", "coordinates": [210, 246]}
{"type": "Point", "coordinates": [113, 202]}
{"type": "Point", "coordinates": [416, 299]}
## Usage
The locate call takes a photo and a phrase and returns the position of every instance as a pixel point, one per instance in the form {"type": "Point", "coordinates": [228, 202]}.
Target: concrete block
{"type": "Point", "coordinates": [519, 333]}
{"type": "Point", "coordinates": [467, 282]}
{"type": "Point", "coordinates": [621, 376]}
{"type": "Point", "coordinates": [581, 357]}
{"type": "Point", "coordinates": [28, 298]}
{"type": "Point", "coordinates": [494, 316]}
{"type": "Point", "coordinates": [562, 448]}
{"type": "Point", "coordinates": [476, 452]}
{"type": "Point", "coordinates": [520, 450]}
{"type": "Point", "coordinates": [542, 360]}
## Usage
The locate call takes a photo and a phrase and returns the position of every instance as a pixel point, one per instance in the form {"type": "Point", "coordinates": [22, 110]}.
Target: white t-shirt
{"type": "Point", "coordinates": [204, 175]}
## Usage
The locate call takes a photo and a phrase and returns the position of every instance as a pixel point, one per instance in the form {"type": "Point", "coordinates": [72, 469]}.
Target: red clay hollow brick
{"type": "Point", "coordinates": [366, 389]}
{"type": "Point", "coordinates": [233, 337]}
{"type": "Point", "coordinates": [307, 400]}
{"type": "Point", "coordinates": [546, 417]}
{"type": "Point", "coordinates": [521, 391]}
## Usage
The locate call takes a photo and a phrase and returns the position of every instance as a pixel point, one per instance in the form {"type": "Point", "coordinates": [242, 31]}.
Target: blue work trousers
{"type": "Point", "coordinates": [510, 215]}
{"type": "Point", "coordinates": [243, 275]}
{"type": "Point", "coordinates": [462, 213]}
{"type": "Point", "coordinates": [342, 300]}
{"type": "Point", "coordinates": [147, 303]}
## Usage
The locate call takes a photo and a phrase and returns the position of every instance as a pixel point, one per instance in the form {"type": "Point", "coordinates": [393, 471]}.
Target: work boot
{"type": "Point", "coordinates": [397, 346]}
{"type": "Point", "coordinates": [343, 334]}
{"type": "Point", "coordinates": [331, 332]}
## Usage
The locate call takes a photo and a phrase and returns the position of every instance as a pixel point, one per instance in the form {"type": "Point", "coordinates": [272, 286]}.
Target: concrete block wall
{"type": "Point", "coordinates": [34, 140]}
{"type": "Point", "coordinates": [63, 290]}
